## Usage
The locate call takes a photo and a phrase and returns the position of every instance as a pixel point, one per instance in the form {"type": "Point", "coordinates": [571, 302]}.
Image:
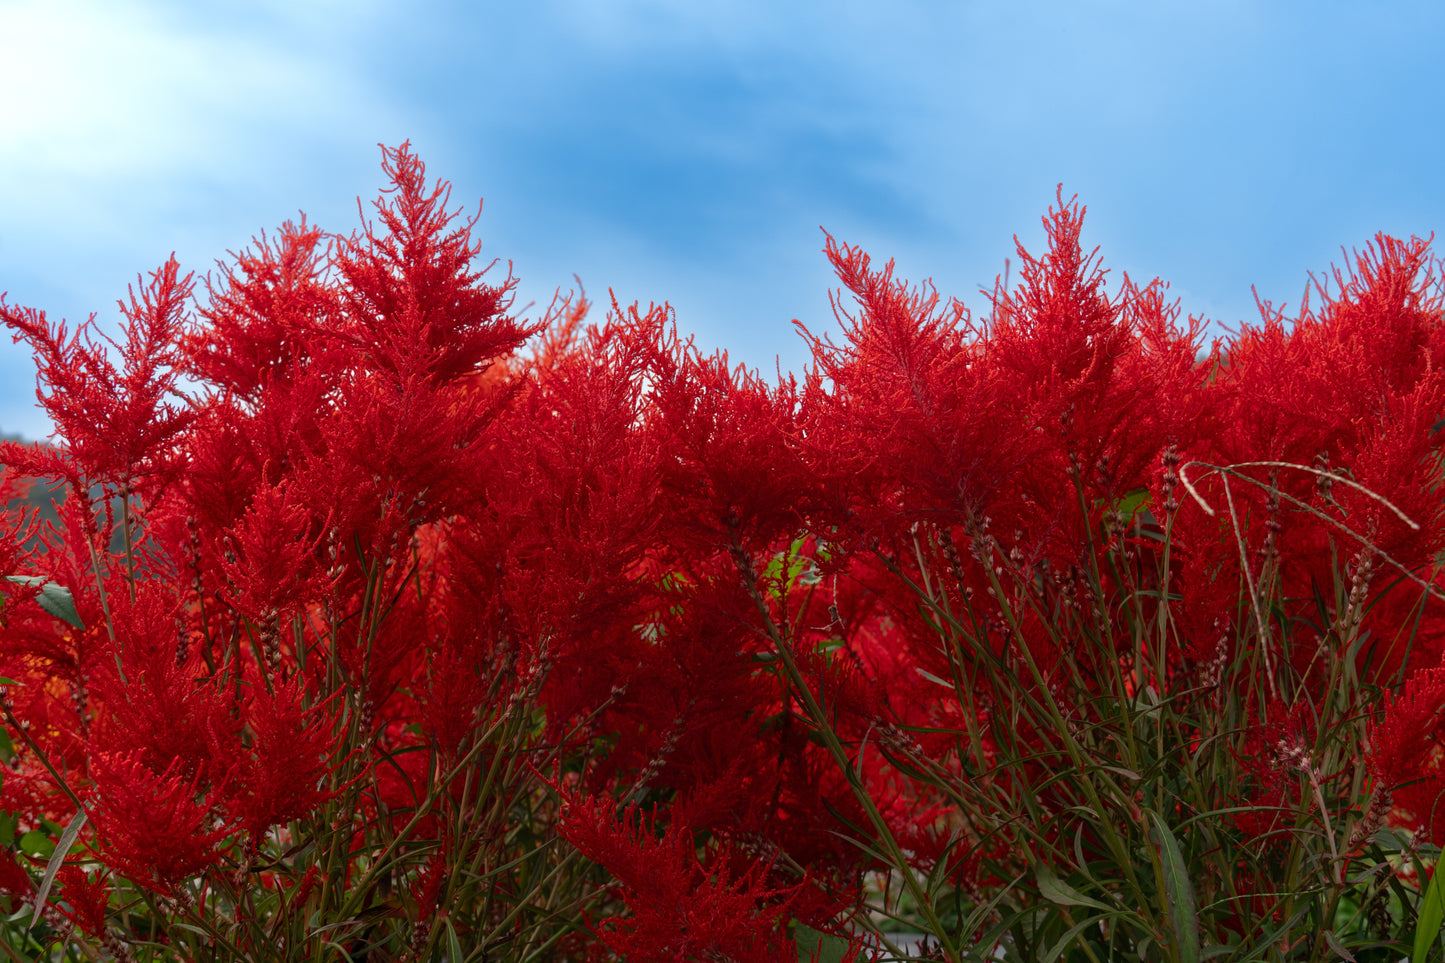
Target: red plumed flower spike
{"type": "Point", "coordinates": [87, 898]}
{"type": "Point", "coordinates": [115, 423]}
{"type": "Point", "coordinates": [1058, 327]}
{"type": "Point", "coordinates": [271, 556]}
{"type": "Point", "coordinates": [681, 909]}
{"type": "Point", "coordinates": [414, 303]}
{"type": "Point", "coordinates": [152, 828]}
{"type": "Point", "coordinates": [1407, 736]}
{"type": "Point", "coordinates": [280, 775]}
{"type": "Point", "coordinates": [257, 322]}
{"type": "Point", "coordinates": [916, 420]}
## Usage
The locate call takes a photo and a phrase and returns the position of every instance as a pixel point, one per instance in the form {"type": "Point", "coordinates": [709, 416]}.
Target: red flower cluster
{"type": "Point", "coordinates": [776, 634]}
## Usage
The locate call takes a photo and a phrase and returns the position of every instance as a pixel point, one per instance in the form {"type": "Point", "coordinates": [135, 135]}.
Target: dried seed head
{"type": "Point", "coordinates": [1381, 800]}
{"type": "Point", "coordinates": [1103, 472]}
{"type": "Point", "coordinates": [897, 739]}
{"type": "Point", "coordinates": [271, 640]}
{"type": "Point", "coordinates": [1293, 753]}
{"type": "Point", "coordinates": [1324, 484]}
{"type": "Point", "coordinates": [1272, 524]}
{"type": "Point", "coordinates": [1171, 459]}
{"type": "Point", "coordinates": [1214, 668]}
{"type": "Point", "coordinates": [950, 554]}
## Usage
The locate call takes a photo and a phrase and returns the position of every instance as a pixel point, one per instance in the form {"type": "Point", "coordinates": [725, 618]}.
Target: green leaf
{"type": "Point", "coordinates": [1063, 942]}
{"type": "Point", "coordinates": [1177, 890]}
{"type": "Point", "coordinates": [816, 947]}
{"type": "Point", "coordinates": [933, 678]}
{"type": "Point", "coordinates": [1391, 840]}
{"type": "Point", "coordinates": [57, 857]}
{"type": "Point", "coordinates": [53, 598]}
{"type": "Point", "coordinates": [1057, 891]}
{"type": "Point", "coordinates": [1338, 948]}
{"type": "Point", "coordinates": [1132, 502]}
{"type": "Point", "coordinates": [36, 843]}
{"type": "Point", "coordinates": [1128, 774]}
{"type": "Point", "coordinates": [1432, 914]}
{"type": "Point", "coordinates": [454, 944]}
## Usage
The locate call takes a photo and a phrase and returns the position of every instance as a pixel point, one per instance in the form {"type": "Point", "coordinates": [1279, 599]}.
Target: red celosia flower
{"type": "Point", "coordinates": [261, 322]}
{"type": "Point", "coordinates": [161, 707]}
{"type": "Point", "coordinates": [453, 702]}
{"type": "Point", "coordinates": [86, 898]}
{"type": "Point", "coordinates": [414, 307]}
{"type": "Point", "coordinates": [14, 880]}
{"type": "Point", "coordinates": [280, 775]}
{"type": "Point", "coordinates": [271, 559]}
{"type": "Point", "coordinates": [302, 891]}
{"type": "Point", "coordinates": [152, 829]}
{"type": "Point", "coordinates": [1105, 385]}
{"type": "Point", "coordinates": [734, 475]}
{"type": "Point", "coordinates": [17, 527]}
{"type": "Point", "coordinates": [914, 415]}
{"type": "Point", "coordinates": [681, 909]}
{"type": "Point", "coordinates": [117, 424]}
{"type": "Point", "coordinates": [1355, 386]}
{"type": "Point", "coordinates": [428, 886]}
{"type": "Point", "coordinates": [1405, 741]}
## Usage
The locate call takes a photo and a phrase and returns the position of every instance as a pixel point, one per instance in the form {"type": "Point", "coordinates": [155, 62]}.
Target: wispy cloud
{"type": "Point", "coordinates": [135, 129]}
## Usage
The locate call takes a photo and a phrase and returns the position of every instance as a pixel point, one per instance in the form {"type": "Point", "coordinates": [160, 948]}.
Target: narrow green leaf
{"type": "Point", "coordinates": [1338, 948]}
{"type": "Point", "coordinates": [1058, 948]}
{"type": "Point", "coordinates": [454, 944]}
{"type": "Point", "coordinates": [1128, 774]}
{"type": "Point", "coordinates": [934, 679]}
{"type": "Point", "coordinates": [53, 598]}
{"type": "Point", "coordinates": [1057, 891]}
{"type": "Point", "coordinates": [1432, 914]}
{"type": "Point", "coordinates": [57, 857]}
{"type": "Point", "coordinates": [858, 763]}
{"type": "Point", "coordinates": [1177, 890]}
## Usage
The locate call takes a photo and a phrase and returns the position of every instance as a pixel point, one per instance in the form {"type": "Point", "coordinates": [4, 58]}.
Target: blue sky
{"type": "Point", "coordinates": [689, 152]}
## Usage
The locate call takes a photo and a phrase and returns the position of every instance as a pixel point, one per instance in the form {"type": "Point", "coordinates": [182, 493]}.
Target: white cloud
{"type": "Point", "coordinates": [105, 90]}
{"type": "Point", "coordinates": [132, 129]}
{"type": "Point", "coordinates": [76, 89]}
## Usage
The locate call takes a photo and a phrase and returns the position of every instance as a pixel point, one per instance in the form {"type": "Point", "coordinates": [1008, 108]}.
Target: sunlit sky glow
{"type": "Point", "coordinates": [688, 152]}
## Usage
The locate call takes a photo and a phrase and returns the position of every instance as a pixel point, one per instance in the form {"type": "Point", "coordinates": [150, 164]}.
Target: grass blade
{"type": "Point", "coordinates": [57, 857]}
{"type": "Point", "coordinates": [1432, 914]}
{"type": "Point", "coordinates": [1178, 891]}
